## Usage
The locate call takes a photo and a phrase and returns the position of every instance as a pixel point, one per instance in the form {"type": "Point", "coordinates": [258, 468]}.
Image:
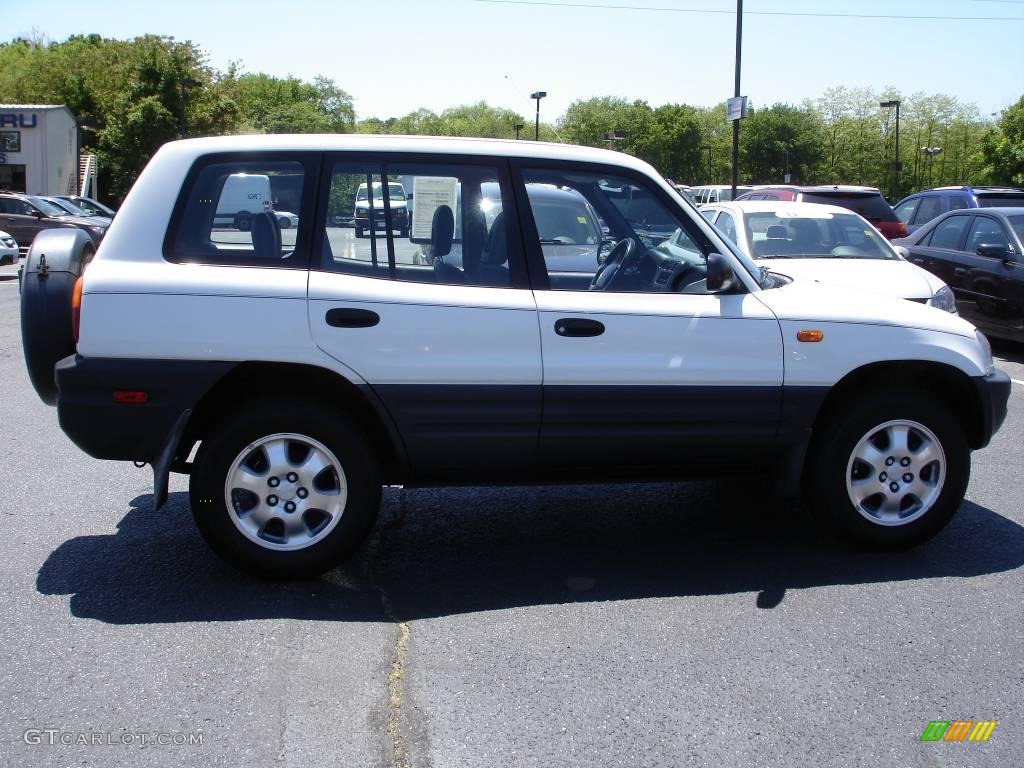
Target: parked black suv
{"type": "Point", "coordinates": [23, 216]}
{"type": "Point", "coordinates": [917, 210]}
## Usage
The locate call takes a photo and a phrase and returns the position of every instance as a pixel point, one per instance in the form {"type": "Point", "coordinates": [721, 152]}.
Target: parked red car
{"type": "Point", "coordinates": [866, 201]}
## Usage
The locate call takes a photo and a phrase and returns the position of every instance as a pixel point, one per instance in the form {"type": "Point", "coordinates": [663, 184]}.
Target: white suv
{"type": "Point", "coordinates": [305, 368]}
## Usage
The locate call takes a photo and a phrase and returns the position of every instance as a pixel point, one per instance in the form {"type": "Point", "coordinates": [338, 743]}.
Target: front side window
{"type": "Point", "coordinates": [228, 214]}
{"type": "Point", "coordinates": [931, 206]}
{"type": "Point", "coordinates": [641, 245]}
{"type": "Point", "coordinates": [985, 231]}
{"type": "Point", "coordinates": [438, 223]}
{"type": "Point", "coordinates": [727, 226]}
{"type": "Point", "coordinates": [948, 233]}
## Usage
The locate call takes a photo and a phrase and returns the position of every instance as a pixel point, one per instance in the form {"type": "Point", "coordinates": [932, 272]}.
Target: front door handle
{"type": "Point", "coordinates": [578, 327]}
{"type": "Point", "coordinates": [959, 271]}
{"type": "Point", "coordinates": [345, 317]}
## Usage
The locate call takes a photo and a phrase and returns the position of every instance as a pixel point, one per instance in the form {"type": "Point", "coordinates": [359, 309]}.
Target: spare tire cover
{"type": "Point", "coordinates": [54, 262]}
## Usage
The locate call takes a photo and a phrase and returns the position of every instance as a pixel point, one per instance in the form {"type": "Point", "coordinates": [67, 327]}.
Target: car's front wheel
{"type": "Point", "coordinates": [285, 489]}
{"type": "Point", "coordinates": [890, 469]}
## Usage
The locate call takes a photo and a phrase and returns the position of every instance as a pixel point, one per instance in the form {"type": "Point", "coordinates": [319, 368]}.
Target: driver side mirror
{"type": "Point", "coordinates": [720, 275]}
{"type": "Point", "coordinates": [996, 252]}
{"type": "Point", "coordinates": [604, 250]}
{"type": "Point", "coordinates": [38, 214]}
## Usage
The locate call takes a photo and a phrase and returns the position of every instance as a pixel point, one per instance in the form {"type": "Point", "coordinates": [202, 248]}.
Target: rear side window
{"type": "Point", "coordinates": [424, 222]}
{"type": "Point", "coordinates": [871, 206]}
{"type": "Point", "coordinates": [233, 212]}
{"type": "Point", "coordinates": [948, 233]}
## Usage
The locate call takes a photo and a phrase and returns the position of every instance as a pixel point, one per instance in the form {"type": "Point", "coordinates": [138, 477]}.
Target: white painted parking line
{"type": "Point", "coordinates": [1017, 381]}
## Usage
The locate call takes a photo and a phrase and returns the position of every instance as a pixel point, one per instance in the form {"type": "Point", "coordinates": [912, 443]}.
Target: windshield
{"type": "Point", "coordinates": [48, 208]}
{"type": "Point", "coordinates": [395, 192]}
{"type": "Point", "coordinates": [791, 234]}
{"type": "Point", "coordinates": [68, 206]}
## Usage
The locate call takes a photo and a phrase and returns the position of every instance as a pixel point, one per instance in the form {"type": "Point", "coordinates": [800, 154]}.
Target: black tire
{"type": "Point", "coordinates": [832, 453]}
{"type": "Point", "coordinates": [404, 232]}
{"type": "Point", "coordinates": [243, 221]}
{"type": "Point", "coordinates": [284, 222]}
{"type": "Point", "coordinates": [359, 231]}
{"type": "Point", "coordinates": [55, 260]}
{"type": "Point", "coordinates": [251, 423]}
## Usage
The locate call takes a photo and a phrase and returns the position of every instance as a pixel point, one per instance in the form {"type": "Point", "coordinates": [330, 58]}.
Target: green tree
{"type": "Point", "coordinates": [778, 138]}
{"type": "Point", "coordinates": [1003, 149]}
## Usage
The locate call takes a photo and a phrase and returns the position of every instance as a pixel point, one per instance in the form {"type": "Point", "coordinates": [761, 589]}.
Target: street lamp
{"type": "Point", "coordinates": [518, 127]}
{"type": "Point", "coordinates": [897, 166]}
{"type": "Point", "coordinates": [538, 95]}
{"type": "Point", "coordinates": [931, 152]}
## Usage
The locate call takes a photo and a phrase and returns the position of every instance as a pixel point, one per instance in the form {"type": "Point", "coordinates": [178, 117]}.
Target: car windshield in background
{"type": "Point", "coordinates": [563, 224]}
{"type": "Point", "coordinates": [48, 208]}
{"type": "Point", "coordinates": [1017, 222]}
{"type": "Point", "coordinates": [395, 192]}
{"type": "Point", "coordinates": [868, 205]}
{"type": "Point", "coordinates": [782, 234]}
{"type": "Point", "coordinates": [1008, 200]}
{"type": "Point", "coordinates": [70, 207]}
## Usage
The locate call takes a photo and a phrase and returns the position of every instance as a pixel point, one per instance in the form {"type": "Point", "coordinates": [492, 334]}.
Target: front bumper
{"type": "Point", "coordinates": [993, 395]}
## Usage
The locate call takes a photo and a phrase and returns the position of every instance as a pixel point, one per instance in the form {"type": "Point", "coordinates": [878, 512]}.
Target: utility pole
{"type": "Point", "coordinates": [736, 94]}
{"type": "Point", "coordinates": [897, 166]}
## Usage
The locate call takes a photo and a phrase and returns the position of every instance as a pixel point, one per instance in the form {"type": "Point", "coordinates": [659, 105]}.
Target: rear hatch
{"type": "Point", "coordinates": [870, 205]}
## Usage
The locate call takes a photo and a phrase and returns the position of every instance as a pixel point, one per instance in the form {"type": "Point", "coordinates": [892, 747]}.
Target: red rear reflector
{"type": "Point", "coordinates": [131, 397]}
{"type": "Point", "coordinates": [76, 308]}
{"type": "Point", "coordinates": [809, 336]}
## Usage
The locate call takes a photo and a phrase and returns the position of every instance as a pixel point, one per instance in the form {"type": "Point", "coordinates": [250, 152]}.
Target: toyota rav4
{"type": "Point", "coordinates": [293, 373]}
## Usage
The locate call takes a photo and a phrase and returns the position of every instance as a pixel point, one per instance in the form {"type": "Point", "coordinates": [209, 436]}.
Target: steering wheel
{"type": "Point", "coordinates": [622, 257]}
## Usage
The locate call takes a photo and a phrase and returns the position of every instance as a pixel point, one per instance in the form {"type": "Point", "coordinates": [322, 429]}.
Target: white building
{"type": "Point", "coordinates": [38, 149]}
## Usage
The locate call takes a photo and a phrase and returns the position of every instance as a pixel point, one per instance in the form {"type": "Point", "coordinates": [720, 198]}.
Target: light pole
{"type": "Point", "coordinates": [897, 166]}
{"type": "Point", "coordinates": [736, 123]}
{"type": "Point", "coordinates": [931, 152]}
{"type": "Point", "coordinates": [518, 127]}
{"type": "Point", "coordinates": [538, 95]}
{"type": "Point", "coordinates": [711, 168]}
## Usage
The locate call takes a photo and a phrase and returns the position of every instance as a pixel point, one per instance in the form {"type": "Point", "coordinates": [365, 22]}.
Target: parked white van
{"type": "Point", "coordinates": [243, 195]}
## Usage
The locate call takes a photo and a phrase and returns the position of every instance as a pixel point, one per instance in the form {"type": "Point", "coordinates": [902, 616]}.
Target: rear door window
{"type": "Point", "coordinates": [930, 207]}
{"type": "Point", "coordinates": [948, 233]}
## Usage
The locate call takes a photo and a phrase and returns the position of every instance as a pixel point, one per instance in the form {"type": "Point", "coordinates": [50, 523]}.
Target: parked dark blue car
{"type": "Point", "coordinates": [917, 210]}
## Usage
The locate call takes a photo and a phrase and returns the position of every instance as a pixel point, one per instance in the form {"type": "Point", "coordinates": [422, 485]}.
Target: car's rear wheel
{"type": "Point", "coordinates": [890, 470]}
{"type": "Point", "coordinates": [359, 231]}
{"type": "Point", "coordinates": [284, 222]}
{"type": "Point", "coordinates": [285, 489]}
{"type": "Point", "coordinates": [243, 221]}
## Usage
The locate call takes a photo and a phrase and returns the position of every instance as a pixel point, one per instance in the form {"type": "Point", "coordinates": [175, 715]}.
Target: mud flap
{"type": "Point", "coordinates": [162, 466]}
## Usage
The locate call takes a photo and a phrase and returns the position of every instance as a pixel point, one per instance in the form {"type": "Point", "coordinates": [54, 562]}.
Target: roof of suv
{"type": "Point", "coordinates": [818, 188]}
{"type": "Point", "coordinates": [347, 142]}
{"type": "Point", "coordinates": [976, 190]}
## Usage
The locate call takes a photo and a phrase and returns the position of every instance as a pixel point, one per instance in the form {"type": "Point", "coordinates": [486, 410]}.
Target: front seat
{"type": "Point", "coordinates": [266, 237]}
{"type": "Point", "coordinates": [806, 237]}
{"type": "Point", "coordinates": [493, 270]}
{"type": "Point", "coordinates": [442, 230]}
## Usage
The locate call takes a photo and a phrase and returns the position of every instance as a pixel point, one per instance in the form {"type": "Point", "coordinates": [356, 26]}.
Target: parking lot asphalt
{"type": "Point", "coordinates": [638, 625]}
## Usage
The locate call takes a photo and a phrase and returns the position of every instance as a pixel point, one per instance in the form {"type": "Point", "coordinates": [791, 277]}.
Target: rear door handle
{"type": "Point", "coordinates": [578, 327]}
{"type": "Point", "coordinates": [345, 317]}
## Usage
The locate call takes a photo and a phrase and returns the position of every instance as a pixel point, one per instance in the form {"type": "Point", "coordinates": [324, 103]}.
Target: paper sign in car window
{"type": "Point", "coordinates": [581, 219]}
{"type": "Point", "coordinates": [430, 193]}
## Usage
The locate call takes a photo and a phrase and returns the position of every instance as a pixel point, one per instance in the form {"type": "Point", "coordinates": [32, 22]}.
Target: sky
{"type": "Point", "coordinates": [395, 56]}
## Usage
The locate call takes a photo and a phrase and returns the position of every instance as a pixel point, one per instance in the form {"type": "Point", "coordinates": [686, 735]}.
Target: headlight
{"type": "Point", "coordinates": [987, 349]}
{"type": "Point", "coordinates": [943, 299]}
{"type": "Point", "coordinates": [9, 242]}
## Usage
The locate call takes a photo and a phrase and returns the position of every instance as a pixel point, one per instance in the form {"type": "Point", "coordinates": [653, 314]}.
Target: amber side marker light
{"type": "Point", "coordinates": [76, 309]}
{"type": "Point", "coordinates": [124, 396]}
{"type": "Point", "coordinates": [809, 335]}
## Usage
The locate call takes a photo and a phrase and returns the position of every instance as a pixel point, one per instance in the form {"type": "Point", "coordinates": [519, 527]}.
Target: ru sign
{"type": "Point", "coordinates": [11, 120]}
